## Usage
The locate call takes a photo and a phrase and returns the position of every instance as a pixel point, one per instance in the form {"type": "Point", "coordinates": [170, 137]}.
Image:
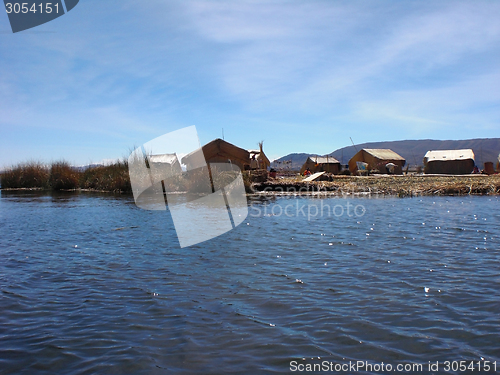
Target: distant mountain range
{"type": "Point", "coordinates": [485, 149]}
{"type": "Point", "coordinates": [83, 168]}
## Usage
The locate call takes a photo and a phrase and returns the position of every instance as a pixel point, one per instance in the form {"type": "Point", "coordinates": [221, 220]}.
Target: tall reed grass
{"type": "Point", "coordinates": [112, 177]}
{"type": "Point", "coordinates": [61, 176]}
{"type": "Point", "coordinates": [28, 175]}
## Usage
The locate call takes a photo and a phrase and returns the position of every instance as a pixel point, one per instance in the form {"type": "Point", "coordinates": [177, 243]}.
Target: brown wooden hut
{"type": "Point", "coordinates": [377, 159]}
{"type": "Point", "coordinates": [218, 151]}
{"type": "Point", "coordinates": [449, 162]}
{"type": "Point", "coordinates": [321, 164]}
{"type": "Point", "coordinates": [489, 168]}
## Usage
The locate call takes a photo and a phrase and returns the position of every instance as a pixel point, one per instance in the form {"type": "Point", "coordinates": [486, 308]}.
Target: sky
{"type": "Point", "coordinates": [302, 76]}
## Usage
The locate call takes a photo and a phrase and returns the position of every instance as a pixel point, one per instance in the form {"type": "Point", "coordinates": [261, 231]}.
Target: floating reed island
{"type": "Point", "coordinates": [395, 185]}
{"type": "Point", "coordinates": [115, 178]}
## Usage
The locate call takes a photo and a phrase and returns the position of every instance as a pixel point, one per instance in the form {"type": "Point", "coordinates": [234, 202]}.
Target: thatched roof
{"type": "Point", "coordinates": [448, 155]}
{"type": "Point", "coordinates": [219, 151]}
{"type": "Point", "coordinates": [164, 158]}
{"type": "Point", "coordinates": [260, 155]}
{"type": "Point", "coordinates": [323, 160]}
{"type": "Point", "coordinates": [383, 153]}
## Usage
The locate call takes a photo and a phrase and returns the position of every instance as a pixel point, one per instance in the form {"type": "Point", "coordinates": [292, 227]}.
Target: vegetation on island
{"type": "Point", "coordinates": [62, 176]}
{"type": "Point", "coordinates": [115, 178]}
{"type": "Point", "coordinates": [410, 185]}
{"type": "Point", "coordinates": [107, 178]}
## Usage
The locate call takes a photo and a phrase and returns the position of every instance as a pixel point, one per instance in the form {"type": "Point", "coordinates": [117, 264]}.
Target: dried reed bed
{"type": "Point", "coordinates": [61, 176]}
{"type": "Point", "coordinates": [111, 178]}
{"type": "Point", "coordinates": [402, 186]}
{"type": "Point", "coordinates": [115, 178]}
{"type": "Point", "coordinates": [29, 175]}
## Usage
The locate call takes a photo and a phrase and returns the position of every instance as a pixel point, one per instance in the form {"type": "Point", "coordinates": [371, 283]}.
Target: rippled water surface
{"type": "Point", "coordinates": [92, 284]}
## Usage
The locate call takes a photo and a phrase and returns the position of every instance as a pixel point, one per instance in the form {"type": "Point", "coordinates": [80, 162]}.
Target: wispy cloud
{"type": "Point", "coordinates": [123, 71]}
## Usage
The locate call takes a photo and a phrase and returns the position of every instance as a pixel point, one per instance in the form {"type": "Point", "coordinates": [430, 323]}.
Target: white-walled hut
{"type": "Point", "coordinates": [168, 162]}
{"type": "Point", "coordinates": [449, 162]}
{"type": "Point", "coordinates": [321, 164]}
{"type": "Point", "coordinates": [377, 159]}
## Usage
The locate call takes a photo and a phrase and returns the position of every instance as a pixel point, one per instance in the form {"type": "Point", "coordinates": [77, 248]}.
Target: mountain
{"type": "Point", "coordinates": [290, 161]}
{"type": "Point", "coordinates": [485, 149]}
{"type": "Point", "coordinates": [83, 168]}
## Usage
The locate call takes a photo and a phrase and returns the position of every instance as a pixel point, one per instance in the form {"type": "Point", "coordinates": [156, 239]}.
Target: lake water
{"type": "Point", "coordinates": [91, 284]}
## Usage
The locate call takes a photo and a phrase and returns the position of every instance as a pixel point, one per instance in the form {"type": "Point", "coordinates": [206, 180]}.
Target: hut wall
{"type": "Point", "coordinates": [353, 168]}
{"type": "Point", "coordinates": [449, 167]}
{"type": "Point", "coordinates": [379, 164]}
{"type": "Point", "coordinates": [489, 169]}
{"type": "Point", "coordinates": [225, 158]}
{"type": "Point", "coordinates": [333, 168]}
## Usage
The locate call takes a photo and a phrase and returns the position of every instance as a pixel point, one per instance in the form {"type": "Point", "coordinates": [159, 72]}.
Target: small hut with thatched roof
{"type": "Point", "coordinates": [321, 164]}
{"type": "Point", "coordinates": [261, 160]}
{"type": "Point", "coordinates": [449, 162]}
{"type": "Point", "coordinates": [165, 162]}
{"type": "Point", "coordinates": [377, 159]}
{"type": "Point", "coordinates": [218, 151]}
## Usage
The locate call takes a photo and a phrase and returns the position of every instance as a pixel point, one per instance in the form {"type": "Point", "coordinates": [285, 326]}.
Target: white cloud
{"type": "Point", "coordinates": [314, 53]}
{"type": "Point", "coordinates": [126, 70]}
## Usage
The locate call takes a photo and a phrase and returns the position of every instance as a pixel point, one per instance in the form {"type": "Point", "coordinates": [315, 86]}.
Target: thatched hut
{"type": "Point", "coordinates": [449, 162]}
{"type": "Point", "coordinates": [218, 151]}
{"type": "Point", "coordinates": [165, 162]}
{"type": "Point", "coordinates": [321, 164]}
{"type": "Point", "coordinates": [377, 159]}
{"type": "Point", "coordinates": [261, 160]}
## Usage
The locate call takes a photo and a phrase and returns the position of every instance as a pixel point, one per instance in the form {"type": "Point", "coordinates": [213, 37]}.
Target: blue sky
{"type": "Point", "coordinates": [303, 76]}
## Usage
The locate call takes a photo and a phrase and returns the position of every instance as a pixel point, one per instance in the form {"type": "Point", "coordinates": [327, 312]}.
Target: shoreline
{"type": "Point", "coordinates": [386, 185]}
